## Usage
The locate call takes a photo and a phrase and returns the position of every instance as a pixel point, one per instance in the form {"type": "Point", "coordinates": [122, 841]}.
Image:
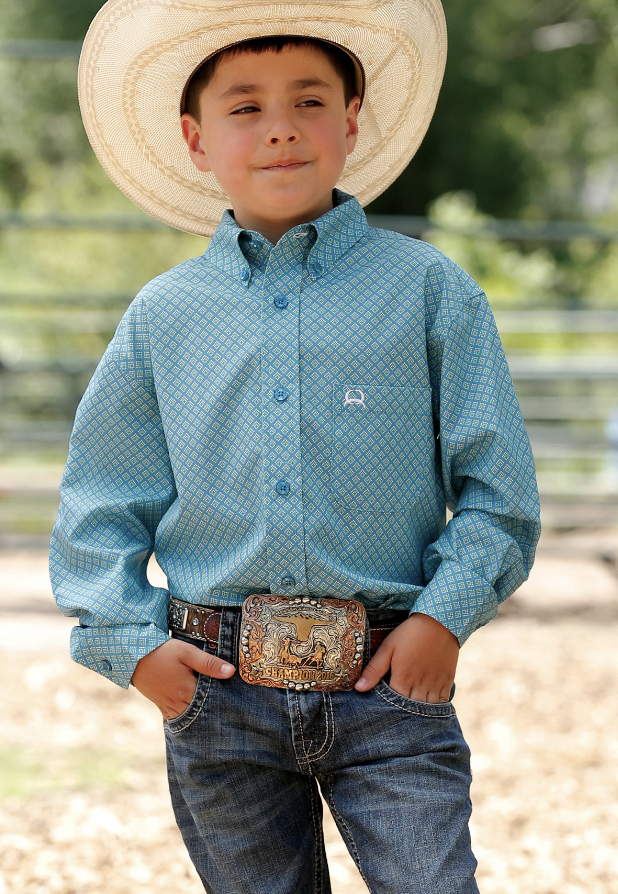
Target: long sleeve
{"type": "Point", "coordinates": [360, 306]}
{"type": "Point", "coordinates": [487, 549]}
{"type": "Point", "coordinates": [117, 485]}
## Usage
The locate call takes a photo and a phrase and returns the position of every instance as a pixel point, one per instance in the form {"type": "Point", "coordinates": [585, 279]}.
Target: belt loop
{"type": "Point", "coordinates": [236, 625]}
{"type": "Point", "coordinates": [228, 636]}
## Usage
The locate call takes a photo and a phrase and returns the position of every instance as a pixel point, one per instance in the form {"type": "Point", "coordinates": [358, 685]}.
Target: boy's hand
{"type": "Point", "coordinates": [422, 655]}
{"type": "Point", "coordinates": [167, 676]}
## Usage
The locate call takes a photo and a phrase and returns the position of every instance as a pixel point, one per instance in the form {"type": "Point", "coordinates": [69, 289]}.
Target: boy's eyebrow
{"type": "Point", "coordinates": [301, 84]}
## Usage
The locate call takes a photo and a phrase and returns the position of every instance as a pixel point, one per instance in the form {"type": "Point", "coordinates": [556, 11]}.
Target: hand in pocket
{"type": "Point", "coordinates": [168, 675]}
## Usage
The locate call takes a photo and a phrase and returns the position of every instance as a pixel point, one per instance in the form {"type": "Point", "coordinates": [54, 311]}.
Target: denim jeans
{"type": "Point", "coordinates": [245, 763]}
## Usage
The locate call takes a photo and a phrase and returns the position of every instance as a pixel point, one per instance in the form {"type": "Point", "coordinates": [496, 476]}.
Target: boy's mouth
{"type": "Point", "coordinates": [287, 164]}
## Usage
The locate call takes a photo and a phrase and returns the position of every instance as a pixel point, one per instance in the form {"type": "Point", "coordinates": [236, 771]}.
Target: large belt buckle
{"type": "Point", "coordinates": [301, 643]}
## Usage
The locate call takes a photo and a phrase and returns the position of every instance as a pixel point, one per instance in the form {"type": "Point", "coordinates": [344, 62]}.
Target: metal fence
{"type": "Point", "coordinates": [569, 401]}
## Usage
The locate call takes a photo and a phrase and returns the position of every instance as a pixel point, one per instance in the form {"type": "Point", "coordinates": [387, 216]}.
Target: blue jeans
{"type": "Point", "coordinates": [245, 762]}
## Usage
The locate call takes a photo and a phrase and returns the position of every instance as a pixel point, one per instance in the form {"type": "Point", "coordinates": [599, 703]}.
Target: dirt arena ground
{"type": "Point", "coordinates": [84, 806]}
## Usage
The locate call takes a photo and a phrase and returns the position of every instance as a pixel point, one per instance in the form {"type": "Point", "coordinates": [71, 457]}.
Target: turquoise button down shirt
{"type": "Point", "coordinates": [295, 418]}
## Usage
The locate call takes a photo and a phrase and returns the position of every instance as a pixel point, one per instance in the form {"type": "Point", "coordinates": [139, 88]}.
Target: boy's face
{"type": "Point", "coordinates": [276, 134]}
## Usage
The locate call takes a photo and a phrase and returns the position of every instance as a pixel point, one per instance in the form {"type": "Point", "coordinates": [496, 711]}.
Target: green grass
{"type": "Point", "coordinates": [26, 772]}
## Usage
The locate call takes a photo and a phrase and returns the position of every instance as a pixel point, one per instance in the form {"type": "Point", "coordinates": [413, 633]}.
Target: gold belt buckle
{"type": "Point", "coordinates": [301, 643]}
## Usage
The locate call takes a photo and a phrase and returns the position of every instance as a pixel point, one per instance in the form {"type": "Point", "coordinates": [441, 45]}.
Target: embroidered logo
{"type": "Point", "coordinates": [354, 397]}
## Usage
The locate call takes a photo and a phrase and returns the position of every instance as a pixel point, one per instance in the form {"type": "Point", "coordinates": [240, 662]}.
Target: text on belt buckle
{"type": "Point", "coordinates": [296, 642]}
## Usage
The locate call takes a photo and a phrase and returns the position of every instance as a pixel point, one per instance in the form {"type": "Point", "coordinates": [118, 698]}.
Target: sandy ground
{"type": "Point", "coordinates": [84, 804]}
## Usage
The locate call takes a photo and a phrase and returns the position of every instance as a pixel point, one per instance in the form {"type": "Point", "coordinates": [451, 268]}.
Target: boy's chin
{"type": "Point", "coordinates": [286, 206]}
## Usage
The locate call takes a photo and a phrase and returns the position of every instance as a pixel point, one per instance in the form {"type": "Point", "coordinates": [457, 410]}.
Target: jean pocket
{"type": "Point", "coordinates": [193, 709]}
{"type": "Point", "coordinates": [382, 446]}
{"type": "Point", "coordinates": [412, 705]}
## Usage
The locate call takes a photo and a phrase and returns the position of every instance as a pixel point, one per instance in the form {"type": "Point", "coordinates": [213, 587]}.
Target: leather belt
{"type": "Point", "coordinates": [201, 623]}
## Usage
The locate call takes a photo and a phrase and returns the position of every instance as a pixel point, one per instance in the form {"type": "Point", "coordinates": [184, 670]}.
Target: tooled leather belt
{"type": "Point", "coordinates": [201, 623]}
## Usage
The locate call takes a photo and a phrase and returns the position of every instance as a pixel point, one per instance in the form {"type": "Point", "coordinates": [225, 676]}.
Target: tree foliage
{"type": "Point", "coordinates": [527, 120]}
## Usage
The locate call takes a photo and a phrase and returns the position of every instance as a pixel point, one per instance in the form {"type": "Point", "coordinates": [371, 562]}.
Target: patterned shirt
{"type": "Point", "coordinates": [295, 418]}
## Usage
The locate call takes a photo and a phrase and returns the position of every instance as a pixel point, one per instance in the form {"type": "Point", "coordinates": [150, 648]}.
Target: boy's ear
{"type": "Point", "coordinates": [192, 133]}
{"type": "Point", "coordinates": [351, 117]}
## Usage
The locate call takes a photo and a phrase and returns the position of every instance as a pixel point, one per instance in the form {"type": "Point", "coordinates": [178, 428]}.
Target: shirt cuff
{"type": "Point", "coordinates": [458, 598]}
{"type": "Point", "coordinates": [114, 652]}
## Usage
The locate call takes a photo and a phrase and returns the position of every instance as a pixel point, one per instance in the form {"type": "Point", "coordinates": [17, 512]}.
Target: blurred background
{"type": "Point", "coordinates": [517, 180]}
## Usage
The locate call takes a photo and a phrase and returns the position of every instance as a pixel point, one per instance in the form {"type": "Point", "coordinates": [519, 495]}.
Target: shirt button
{"type": "Point", "coordinates": [282, 488]}
{"type": "Point", "coordinates": [107, 665]}
{"type": "Point", "coordinates": [281, 394]}
{"type": "Point", "coordinates": [288, 580]}
{"type": "Point", "coordinates": [281, 302]}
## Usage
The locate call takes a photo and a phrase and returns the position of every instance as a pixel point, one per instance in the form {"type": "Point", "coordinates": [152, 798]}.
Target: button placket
{"type": "Point", "coordinates": [281, 414]}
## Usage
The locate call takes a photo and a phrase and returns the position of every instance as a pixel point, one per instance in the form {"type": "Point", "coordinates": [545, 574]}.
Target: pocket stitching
{"type": "Point", "coordinates": [193, 710]}
{"type": "Point", "coordinates": [355, 504]}
{"type": "Point", "coordinates": [381, 686]}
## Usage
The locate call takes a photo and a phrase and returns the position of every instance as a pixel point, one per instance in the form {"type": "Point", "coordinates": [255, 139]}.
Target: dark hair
{"type": "Point", "coordinates": [339, 59]}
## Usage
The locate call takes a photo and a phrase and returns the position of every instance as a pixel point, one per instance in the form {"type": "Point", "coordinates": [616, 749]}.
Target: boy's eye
{"type": "Point", "coordinates": [245, 110]}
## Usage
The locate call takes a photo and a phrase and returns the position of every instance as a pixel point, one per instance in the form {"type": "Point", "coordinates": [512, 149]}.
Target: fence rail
{"type": "Point", "coordinates": [569, 398]}
{"type": "Point", "coordinates": [557, 321]}
{"type": "Point", "coordinates": [40, 49]}
{"type": "Point", "coordinates": [510, 230]}
{"type": "Point", "coordinates": [51, 315]}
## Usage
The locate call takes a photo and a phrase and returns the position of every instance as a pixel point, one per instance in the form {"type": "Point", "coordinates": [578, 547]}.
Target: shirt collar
{"type": "Point", "coordinates": [236, 251]}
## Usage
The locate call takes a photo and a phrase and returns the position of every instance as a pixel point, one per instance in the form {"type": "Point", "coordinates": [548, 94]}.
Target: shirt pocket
{"type": "Point", "coordinates": [382, 446]}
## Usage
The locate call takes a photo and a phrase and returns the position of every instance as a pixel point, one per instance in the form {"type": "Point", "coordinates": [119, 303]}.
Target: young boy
{"type": "Point", "coordinates": [283, 421]}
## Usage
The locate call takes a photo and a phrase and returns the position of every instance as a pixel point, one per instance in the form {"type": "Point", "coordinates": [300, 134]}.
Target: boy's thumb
{"type": "Point", "coordinates": [375, 670]}
{"type": "Point", "coordinates": [207, 664]}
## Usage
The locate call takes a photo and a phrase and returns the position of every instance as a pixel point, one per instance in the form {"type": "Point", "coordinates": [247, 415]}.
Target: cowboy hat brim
{"type": "Point", "coordinates": [139, 54]}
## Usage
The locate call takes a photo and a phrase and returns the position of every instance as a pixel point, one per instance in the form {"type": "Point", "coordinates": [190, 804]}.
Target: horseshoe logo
{"type": "Point", "coordinates": [354, 397]}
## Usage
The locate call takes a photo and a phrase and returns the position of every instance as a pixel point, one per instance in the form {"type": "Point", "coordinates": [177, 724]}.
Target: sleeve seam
{"type": "Point", "coordinates": [145, 381]}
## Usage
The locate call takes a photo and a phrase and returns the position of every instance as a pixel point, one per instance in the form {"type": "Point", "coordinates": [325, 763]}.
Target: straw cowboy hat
{"type": "Point", "coordinates": [139, 54]}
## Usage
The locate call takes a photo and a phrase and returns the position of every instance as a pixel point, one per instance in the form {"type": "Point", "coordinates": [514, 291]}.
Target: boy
{"type": "Point", "coordinates": [283, 421]}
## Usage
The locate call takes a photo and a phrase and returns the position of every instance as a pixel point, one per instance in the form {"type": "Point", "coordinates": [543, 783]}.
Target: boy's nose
{"type": "Point", "coordinates": [282, 130]}
{"type": "Point", "coordinates": [292, 138]}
